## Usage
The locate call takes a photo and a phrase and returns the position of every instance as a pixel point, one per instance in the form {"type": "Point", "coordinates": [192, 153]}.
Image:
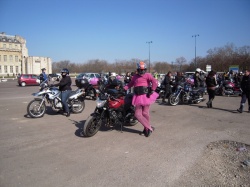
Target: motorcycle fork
{"type": "Point", "coordinates": [43, 100]}
{"type": "Point", "coordinates": [178, 95]}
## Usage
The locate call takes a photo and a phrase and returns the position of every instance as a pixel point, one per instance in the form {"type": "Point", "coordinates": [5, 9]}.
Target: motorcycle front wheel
{"type": "Point", "coordinates": [35, 109]}
{"type": "Point", "coordinates": [77, 106]}
{"type": "Point", "coordinates": [91, 126]}
{"type": "Point", "coordinates": [173, 100]}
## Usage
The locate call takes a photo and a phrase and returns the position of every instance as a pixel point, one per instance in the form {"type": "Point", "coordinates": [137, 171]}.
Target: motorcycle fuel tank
{"type": "Point", "coordinates": [116, 103]}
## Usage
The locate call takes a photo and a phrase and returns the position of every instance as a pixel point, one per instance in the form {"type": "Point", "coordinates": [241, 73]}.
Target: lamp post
{"type": "Point", "coordinates": [149, 54]}
{"type": "Point", "coordinates": [195, 49]}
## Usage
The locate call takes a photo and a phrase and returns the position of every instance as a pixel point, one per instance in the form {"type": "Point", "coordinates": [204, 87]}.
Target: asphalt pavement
{"type": "Point", "coordinates": [50, 151]}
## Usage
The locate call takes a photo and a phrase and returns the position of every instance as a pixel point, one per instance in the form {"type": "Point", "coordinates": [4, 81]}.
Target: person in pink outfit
{"type": "Point", "coordinates": [144, 86]}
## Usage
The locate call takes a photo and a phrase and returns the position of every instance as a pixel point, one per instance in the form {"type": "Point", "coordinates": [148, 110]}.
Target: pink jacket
{"type": "Point", "coordinates": [142, 80]}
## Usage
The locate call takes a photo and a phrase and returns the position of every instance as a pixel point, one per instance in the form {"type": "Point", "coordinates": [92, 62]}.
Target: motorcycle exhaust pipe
{"type": "Point", "coordinates": [76, 105]}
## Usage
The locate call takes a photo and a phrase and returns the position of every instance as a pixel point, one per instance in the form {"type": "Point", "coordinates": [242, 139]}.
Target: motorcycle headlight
{"type": "Point", "coordinates": [100, 103]}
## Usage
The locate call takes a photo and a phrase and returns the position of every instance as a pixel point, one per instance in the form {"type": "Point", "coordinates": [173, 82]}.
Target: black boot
{"type": "Point", "coordinates": [211, 106]}
{"type": "Point", "coordinates": [67, 114]}
{"type": "Point", "coordinates": [240, 110]}
{"type": "Point", "coordinates": [208, 104]}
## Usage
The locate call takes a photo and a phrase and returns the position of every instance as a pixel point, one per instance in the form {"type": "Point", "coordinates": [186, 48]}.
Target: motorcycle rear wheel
{"type": "Point", "coordinates": [91, 126]}
{"type": "Point", "coordinates": [172, 100]}
{"type": "Point", "coordinates": [33, 109]}
{"type": "Point", "coordinates": [80, 106]}
{"type": "Point", "coordinates": [223, 91]}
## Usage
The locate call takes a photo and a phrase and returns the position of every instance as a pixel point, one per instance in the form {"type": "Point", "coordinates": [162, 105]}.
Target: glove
{"type": "Point", "coordinates": [150, 93]}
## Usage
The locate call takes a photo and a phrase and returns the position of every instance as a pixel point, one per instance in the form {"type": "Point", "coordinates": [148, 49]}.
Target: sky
{"type": "Point", "coordinates": [115, 30]}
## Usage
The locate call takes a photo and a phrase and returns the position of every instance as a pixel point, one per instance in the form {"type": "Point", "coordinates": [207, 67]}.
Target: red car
{"type": "Point", "coordinates": [28, 79]}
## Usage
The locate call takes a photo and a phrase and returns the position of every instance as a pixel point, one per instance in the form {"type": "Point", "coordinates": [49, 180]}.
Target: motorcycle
{"type": "Point", "coordinates": [186, 94]}
{"type": "Point", "coordinates": [111, 111]}
{"type": "Point", "coordinates": [160, 90]}
{"type": "Point", "coordinates": [37, 107]}
{"type": "Point", "coordinates": [220, 90]}
{"type": "Point", "coordinates": [231, 88]}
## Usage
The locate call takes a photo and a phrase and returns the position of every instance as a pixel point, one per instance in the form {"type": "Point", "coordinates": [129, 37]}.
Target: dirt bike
{"type": "Point", "coordinates": [37, 107]}
{"type": "Point", "coordinates": [111, 111]}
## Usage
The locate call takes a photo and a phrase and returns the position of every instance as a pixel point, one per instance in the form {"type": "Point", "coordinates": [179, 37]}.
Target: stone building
{"type": "Point", "coordinates": [14, 58]}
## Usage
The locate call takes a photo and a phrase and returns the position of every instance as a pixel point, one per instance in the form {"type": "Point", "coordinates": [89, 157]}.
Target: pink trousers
{"type": "Point", "coordinates": [142, 115]}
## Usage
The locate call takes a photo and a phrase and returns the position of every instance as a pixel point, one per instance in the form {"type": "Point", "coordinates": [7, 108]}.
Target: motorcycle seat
{"type": "Point", "coordinates": [72, 93]}
{"type": "Point", "coordinates": [196, 89]}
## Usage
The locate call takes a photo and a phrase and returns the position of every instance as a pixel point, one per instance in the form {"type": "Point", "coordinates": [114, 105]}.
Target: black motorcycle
{"type": "Point", "coordinates": [186, 94]}
{"type": "Point", "coordinates": [220, 90]}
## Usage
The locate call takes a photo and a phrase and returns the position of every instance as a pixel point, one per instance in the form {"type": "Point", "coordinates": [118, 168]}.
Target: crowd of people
{"type": "Point", "coordinates": [199, 79]}
{"type": "Point", "coordinates": [144, 85]}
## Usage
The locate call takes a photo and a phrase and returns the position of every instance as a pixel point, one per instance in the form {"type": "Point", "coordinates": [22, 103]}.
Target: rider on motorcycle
{"type": "Point", "coordinates": [197, 79]}
{"type": "Point", "coordinates": [65, 88]}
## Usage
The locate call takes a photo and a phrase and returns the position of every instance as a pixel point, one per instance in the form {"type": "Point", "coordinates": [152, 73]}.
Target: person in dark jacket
{"type": "Point", "coordinates": [167, 82]}
{"type": "Point", "coordinates": [65, 88]}
{"type": "Point", "coordinates": [211, 84]}
{"type": "Point", "coordinates": [43, 76]}
{"type": "Point", "coordinates": [197, 79]}
{"type": "Point", "coordinates": [179, 78]}
{"type": "Point", "coordinates": [127, 78]}
{"type": "Point", "coordinates": [245, 86]}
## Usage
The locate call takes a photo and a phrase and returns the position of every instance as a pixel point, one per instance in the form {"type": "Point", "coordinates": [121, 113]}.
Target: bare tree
{"type": "Point", "coordinates": [180, 62]}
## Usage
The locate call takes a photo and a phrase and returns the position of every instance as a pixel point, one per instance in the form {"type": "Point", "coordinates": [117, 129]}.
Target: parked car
{"type": "Point", "coordinates": [54, 75]}
{"type": "Point", "coordinates": [28, 79]}
{"type": "Point", "coordinates": [88, 76]}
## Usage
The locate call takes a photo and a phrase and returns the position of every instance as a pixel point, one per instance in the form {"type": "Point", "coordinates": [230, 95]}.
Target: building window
{"type": "Point", "coordinates": [10, 46]}
{"type": "Point", "coordinates": [16, 46]}
{"type": "Point", "coordinates": [4, 46]}
{"type": "Point", "coordinates": [17, 70]}
{"type": "Point", "coordinates": [16, 58]}
{"type": "Point", "coordinates": [5, 58]}
{"type": "Point", "coordinates": [11, 69]}
{"type": "Point", "coordinates": [0, 58]}
{"type": "Point", "coordinates": [0, 69]}
{"type": "Point", "coordinates": [11, 58]}
{"type": "Point", "coordinates": [5, 69]}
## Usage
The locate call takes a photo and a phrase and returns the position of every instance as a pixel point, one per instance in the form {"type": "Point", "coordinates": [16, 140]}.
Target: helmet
{"type": "Point", "coordinates": [141, 65]}
{"type": "Point", "coordinates": [113, 74]}
{"type": "Point", "coordinates": [65, 70]}
{"type": "Point", "coordinates": [116, 82]}
{"type": "Point", "coordinates": [43, 69]}
{"type": "Point", "coordinates": [118, 77]}
{"type": "Point", "coordinates": [198, 70]}
{"type": "Point", "coordinates": [84, 83]}
{"type": "Point", "coordinates": [94, 81]}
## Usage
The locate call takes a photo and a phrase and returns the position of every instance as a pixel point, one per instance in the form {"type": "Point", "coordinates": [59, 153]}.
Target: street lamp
{"type": "Point", "coordinates": [149, 54]}
{"type": "Point", "coordinates": [195, 49]}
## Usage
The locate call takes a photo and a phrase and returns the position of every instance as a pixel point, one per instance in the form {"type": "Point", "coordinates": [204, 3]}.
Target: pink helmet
{"type": "Point", "coordinates": [94, 81]}
{"type": "Point", "coordinates": [118, 77]}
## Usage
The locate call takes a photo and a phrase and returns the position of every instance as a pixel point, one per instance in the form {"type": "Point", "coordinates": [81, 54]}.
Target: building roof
{"type": "Point", "coordinates": [8, 38]}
